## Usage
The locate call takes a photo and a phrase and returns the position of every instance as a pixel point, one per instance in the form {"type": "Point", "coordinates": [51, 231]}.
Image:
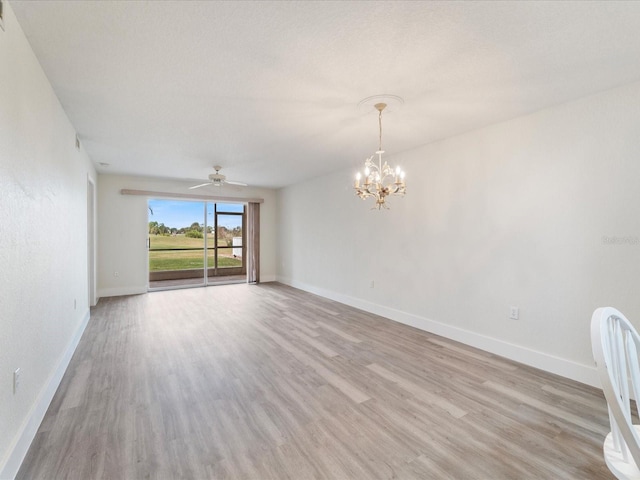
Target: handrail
{"type": "Point", "coordinates": [190, 248]}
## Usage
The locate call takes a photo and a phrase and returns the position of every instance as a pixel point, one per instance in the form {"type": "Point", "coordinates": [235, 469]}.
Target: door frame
{"type": "Point", "coordinates": [91, 241]}
{"type": "Point", "coordinates": [209, 276]}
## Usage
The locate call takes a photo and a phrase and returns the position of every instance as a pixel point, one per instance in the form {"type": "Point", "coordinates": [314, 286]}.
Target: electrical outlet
{"type": "Point", "coordinates": [514, 313]}
{"type": "Point", "coordinates": [116, 274]}
{"type": "Point", "coordinates": [16, 380]}
{"type": "Point", "coordinates": [75, 304]}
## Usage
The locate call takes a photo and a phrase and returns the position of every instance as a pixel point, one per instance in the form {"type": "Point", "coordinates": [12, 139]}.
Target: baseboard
{"type": "Point", "coordinates": [586, 374]}
{"type": "Point", "coordinates": [267, 278]}
{"type": "Point", "coordinates": [27, 432]}
{"type": "Point", "coordinates": [119, 291]}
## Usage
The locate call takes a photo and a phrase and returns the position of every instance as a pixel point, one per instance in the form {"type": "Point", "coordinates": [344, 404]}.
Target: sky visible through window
{"type": "Point", "coordinates": [179, 214]}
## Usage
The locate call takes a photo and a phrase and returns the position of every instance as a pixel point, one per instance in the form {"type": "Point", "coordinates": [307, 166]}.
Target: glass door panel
{"type": "Point", "coordinates": [225, 252]}
{"type": "Point", "coordinates": [230, 244]}
{"type": "Point", "coordinates": [176, 243]}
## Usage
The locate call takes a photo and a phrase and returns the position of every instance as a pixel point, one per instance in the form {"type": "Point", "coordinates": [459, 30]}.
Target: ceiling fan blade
{"type": "Point", "coordinates": [236, 183]}
{"type": "Point", "coordinates": [201, 185]}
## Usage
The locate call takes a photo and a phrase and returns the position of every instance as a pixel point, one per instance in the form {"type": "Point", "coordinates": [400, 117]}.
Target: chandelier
{"type": "Point", "coordinates": [380, 180]}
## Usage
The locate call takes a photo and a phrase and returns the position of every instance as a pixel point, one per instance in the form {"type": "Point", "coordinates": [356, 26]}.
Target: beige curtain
{"type": "Point", "coordinates": [253, 239]}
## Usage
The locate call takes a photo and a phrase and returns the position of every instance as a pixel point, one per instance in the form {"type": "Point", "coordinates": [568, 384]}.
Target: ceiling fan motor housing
{"type": "Point", "coordinates": [217, 178]}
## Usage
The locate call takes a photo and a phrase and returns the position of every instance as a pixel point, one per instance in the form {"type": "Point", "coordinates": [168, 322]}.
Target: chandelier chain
{"type": "Point", "coordinates": [380, 125]}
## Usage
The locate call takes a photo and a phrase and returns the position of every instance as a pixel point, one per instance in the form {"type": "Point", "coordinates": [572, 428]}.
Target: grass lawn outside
{"type": "Point", "coordinates": [189, 259]}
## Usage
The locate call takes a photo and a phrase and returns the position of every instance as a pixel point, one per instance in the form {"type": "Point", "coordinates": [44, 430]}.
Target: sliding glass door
{"type": "Point", "coordinates": [183, 235]}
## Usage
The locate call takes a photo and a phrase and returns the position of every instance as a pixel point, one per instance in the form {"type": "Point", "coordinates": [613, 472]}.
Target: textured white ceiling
{"type": "Point", "coordinates": [269, 90]}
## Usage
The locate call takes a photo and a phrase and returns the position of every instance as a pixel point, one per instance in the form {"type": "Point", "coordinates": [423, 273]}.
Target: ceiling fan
{"type": "Point", "coordinates": [217, 180]}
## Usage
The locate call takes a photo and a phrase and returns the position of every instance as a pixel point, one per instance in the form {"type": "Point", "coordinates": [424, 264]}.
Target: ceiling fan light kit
{"type": "Point", "coordinates": [217, 180]}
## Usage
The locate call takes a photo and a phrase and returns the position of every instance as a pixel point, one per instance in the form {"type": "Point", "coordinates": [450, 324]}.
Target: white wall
{"type": "Point", "coordinates": [123, 230]}
{"type": "Point", "coordinates": [513, 214]}
{"type": "Point", "coordinates": [43, 242]}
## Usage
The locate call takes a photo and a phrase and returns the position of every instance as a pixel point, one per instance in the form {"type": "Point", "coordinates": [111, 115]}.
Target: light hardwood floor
{"type": "Point", "coordinates": [269, 382]}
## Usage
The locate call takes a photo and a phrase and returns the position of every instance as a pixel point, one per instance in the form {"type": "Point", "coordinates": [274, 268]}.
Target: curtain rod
{"type": "Point", "coordinates": [149, 193]}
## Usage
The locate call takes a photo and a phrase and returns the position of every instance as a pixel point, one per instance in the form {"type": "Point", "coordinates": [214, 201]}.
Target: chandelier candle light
{"type": "Point", "coordinates": [380, 180]}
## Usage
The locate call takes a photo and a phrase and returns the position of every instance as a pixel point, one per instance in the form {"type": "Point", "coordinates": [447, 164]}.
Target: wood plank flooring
{"type": "Point", "coordinates": [269, 382]}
